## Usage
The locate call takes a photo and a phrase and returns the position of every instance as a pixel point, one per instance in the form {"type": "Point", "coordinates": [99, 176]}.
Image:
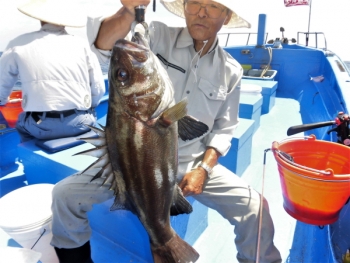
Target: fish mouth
{"type": "Point", "coordinates": [137, 43]}
{"type": "Point", "coordinates": [158, 92]}
{"type": "Point", "coordinates": [130, 53]}
{"type": "Point", "coordinates": [140, 39]}
{"type": "Point", "coordinates": [132, 46]}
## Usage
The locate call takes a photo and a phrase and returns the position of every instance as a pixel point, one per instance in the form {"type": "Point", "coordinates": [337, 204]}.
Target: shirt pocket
{"type": "Point", "coordinates": [211, 91]}
{"type": "Point", "coordinates": [207, 102]}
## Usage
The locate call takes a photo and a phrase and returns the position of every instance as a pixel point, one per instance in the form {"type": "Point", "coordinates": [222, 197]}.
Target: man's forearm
{"type": "Point", "coordinates": [211, 157]}
{"type": "Point", "coordinates": [113, 28]}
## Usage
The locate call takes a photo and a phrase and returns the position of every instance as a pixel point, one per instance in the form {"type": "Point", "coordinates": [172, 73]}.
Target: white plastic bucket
{"type": "Point", "coordinates": [26, 217]}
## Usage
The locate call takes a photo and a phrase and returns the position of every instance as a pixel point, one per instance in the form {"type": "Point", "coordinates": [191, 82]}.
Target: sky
{"type": "Point", "coordinates": [327, 16]}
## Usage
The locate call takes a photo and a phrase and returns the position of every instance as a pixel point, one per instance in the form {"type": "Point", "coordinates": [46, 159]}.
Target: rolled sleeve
{"type": "Point", "coordinates": [97, 84]}
{"type": "Point", "coordinates": [225, 124]}
{"type": "Point", "coordinates": [93, 26]}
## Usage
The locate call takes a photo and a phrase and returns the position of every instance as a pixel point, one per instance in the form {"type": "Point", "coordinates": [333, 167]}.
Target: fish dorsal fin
{"type": "Point", "coordinates": [189, 128]}
{"type": "Point", "coordinates": [180, 204]}
{"type": "Point", "coordinates": [174, 113]}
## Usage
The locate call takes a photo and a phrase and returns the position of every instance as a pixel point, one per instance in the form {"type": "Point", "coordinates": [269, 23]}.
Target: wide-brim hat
{"type": "Point", "coordinates": [177, 7]}
{"type": "Point", "coordinates": [58, 12]}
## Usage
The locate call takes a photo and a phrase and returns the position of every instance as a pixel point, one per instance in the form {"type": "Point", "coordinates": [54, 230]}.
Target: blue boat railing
{"type": "Point", "coordinates": [228, 35]}
{"type": "Point", "coordinates": [309, 37]}
{"type": "Point", "coordinates": [316, 36]}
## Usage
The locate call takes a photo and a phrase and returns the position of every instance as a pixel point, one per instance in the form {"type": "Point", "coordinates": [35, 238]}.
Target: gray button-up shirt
{"type": "Point", "coordinates": [211, 84]}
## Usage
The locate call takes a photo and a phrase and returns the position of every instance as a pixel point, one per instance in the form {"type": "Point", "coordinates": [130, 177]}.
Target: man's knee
{"type": "Point", "coordinates": [61, 192]}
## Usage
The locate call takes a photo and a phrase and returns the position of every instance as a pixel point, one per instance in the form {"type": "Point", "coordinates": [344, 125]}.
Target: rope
{"type": "Point", "coordinates": [269, 49]}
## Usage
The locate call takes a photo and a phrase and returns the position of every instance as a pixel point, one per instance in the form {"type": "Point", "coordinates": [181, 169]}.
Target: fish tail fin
{"type": "Point", "coordinates": [175, 250]}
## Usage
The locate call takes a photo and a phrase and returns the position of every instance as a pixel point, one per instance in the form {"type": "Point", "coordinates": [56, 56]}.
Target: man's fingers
{"type": "Point", "coordinates": [182, 184]}
{"type": "Point", "coordinates": [186, 191]}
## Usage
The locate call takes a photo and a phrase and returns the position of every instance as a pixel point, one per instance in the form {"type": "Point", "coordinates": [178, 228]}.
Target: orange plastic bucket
{"type": "Point", "coordinates": [12, 108]}
{"type": "Point", "coordinates": [316, 183]}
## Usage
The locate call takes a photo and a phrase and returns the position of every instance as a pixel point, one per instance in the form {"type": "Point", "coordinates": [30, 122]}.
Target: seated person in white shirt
{"type": "Point", "coordinates": [61, 78]}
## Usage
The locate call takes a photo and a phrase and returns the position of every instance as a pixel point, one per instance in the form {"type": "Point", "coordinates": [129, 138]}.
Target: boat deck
{"type": "Point", "coordinates": [219, 232]}
{"type": "Point", "coordinates": [296, 241]}
{"type": "Point", "coordinates": [216, 243]}
{"type": "Point", "coordinates": [273, 126]}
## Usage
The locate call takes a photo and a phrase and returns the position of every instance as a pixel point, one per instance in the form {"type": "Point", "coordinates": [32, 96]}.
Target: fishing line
{"type": "Point", "coordinates": [199, 53]}
{"type": "Point", "coordinates": [261, 208]}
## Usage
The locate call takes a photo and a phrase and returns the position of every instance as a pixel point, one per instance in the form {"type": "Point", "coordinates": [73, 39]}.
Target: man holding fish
{"type": "Point", "coordinates": [201, 71]}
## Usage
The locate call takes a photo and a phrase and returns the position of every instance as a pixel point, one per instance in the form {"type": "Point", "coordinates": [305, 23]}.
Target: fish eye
{"type": "Point", "coordinates": [122, 74]}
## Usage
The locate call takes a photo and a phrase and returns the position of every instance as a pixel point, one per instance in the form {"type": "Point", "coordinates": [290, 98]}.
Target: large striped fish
{"type": "Point", "coordinates": [137, 149]}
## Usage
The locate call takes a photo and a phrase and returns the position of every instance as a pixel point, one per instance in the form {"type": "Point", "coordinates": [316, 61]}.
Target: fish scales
{"type": "Point", "coordinates": [139, 161]}
{"type": "Point", "coordinates": [141, 137]}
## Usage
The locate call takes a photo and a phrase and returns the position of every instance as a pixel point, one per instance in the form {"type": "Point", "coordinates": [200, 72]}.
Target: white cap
{"type": "Point", "coordinates": [58, 12]}
{"type": "Point", "coordinates": [177, 7]}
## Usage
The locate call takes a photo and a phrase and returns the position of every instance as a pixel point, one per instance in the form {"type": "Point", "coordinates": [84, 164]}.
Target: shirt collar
{"type": "Point", "coordinates": [185, 40]}
{"type": "Point", "coordinates": [53, 28]}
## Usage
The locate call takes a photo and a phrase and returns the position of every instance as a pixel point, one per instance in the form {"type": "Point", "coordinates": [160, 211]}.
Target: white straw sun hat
{"type": "Point", "coordinates": [177, 7]}
{"type": "Point", "coordinates": [58, 12]}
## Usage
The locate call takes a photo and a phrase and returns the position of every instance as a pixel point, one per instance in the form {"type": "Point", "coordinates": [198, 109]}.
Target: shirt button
{"type": "Point", "coordinates": [210, 94]}
{"type": "Point", "coordinates": [188, 92]}
{"type": "Point", "coordinates": [24, 101]}
{"type": "Point", "coordinates": [87, 101]}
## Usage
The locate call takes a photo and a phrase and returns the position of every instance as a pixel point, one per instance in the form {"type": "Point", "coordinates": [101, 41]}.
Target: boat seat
{"type": "Point", "coordinates": [250, 107]}
{"type": "Point", "coordinates": [250, 88]}
{"type": "Point", "coordinates": [56, 145]}
{"type": "Point", "coordinates": [121, 228]}
{"type": "Point", "coordinates": [269, 88]}
{"type": "Point", "coordinates": [238, 157]}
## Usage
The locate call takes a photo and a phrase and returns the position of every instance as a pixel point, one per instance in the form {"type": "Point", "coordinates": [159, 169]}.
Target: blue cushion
{"type": "Point", "coordinates": [56, 145]}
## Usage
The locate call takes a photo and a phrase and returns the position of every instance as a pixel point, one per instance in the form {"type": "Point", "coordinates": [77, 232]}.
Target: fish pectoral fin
{"type": "Point", "coordinates": [180, 204]}
{"type": "Point", "coordinates": [174, 113]}
{"type": "Point", "coordinates": [189, 128]}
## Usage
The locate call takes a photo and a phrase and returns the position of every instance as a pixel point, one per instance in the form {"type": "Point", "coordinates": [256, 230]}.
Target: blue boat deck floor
{"type": "Point", "coordinates": [297, 242]}
{"type": "Point", "coordinates": [216, 244]}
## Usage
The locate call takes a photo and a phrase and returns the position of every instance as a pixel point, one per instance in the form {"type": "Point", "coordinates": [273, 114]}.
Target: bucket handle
{"type": "Point", "coordinates": [311, 137]}
{"type": "Point", "coordinates": [289, 159]}
{"type": "Point", "coordinates": [282, 155]}
{"type": "Point", "coordinates": [39, 238]}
